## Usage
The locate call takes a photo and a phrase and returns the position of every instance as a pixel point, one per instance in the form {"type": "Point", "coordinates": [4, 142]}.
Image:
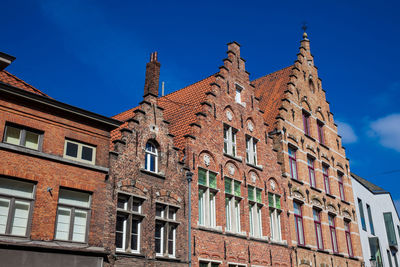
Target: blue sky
{"type": "Point", "coordinates": [92, 54]}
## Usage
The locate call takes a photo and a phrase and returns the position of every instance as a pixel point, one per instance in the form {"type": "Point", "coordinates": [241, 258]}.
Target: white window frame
{"type": "Point", "coordinates": [275, 219]}
{"type": "Point", "coordinates": [230, 147]}
{"type": "Point", "coordinates": [251, 150]}
{"type": "Point", "coordinates": [232, 208]}
{"type": "Point", "coordinates": [23, 131]}
{"type": "Point", "coordinates": [167, 225]}
{"type": "Point", "coordinates": [238, 93]}
{"type": "Point", "coordinates": [148, 155]}
{"type": "Point", "coordinates": [207, 202]}
{"type": "Point", "coordinates": [79, 152]}
{"type": "Point", "coordinates": [255, 214]}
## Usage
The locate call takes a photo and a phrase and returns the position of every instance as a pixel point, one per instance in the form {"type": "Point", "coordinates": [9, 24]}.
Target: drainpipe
{"type": "Point", "coordinates": [189, 179]}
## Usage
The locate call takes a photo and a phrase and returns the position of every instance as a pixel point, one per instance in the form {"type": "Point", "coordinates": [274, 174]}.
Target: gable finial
{"type": "Point", "coordinates": [304, 27]}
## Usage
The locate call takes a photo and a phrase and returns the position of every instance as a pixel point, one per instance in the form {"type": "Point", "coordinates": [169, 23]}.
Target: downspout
{"type": "Point", "coordinates": [189, 178]}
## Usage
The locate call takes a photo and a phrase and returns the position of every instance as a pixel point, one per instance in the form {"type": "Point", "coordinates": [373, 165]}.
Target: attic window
{"type": "Point", "coordinates": [238, 96]}
{"type": "Point", "coordinates": [311, 85]}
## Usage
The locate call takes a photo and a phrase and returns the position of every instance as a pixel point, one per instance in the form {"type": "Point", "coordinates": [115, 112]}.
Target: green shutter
{"type": "Point", "coordinates": [228, 185]}
{"type": "Point", "coordinates": [250, 193]}
{"type": "Point", "coordinates": [278, 202]}
{"type": "Point", "coordinates": [237, 189]}
{"type": "Point", "coordinates": [202, 177]}
{"type": "Point", "coordinates": [391, 234]}
{"type": "Point", "coordinates": [212, 179]}
{"type": "Point", "coordinates": [271, 200]}
{"type": "Point", "coordinates": [258, 195]}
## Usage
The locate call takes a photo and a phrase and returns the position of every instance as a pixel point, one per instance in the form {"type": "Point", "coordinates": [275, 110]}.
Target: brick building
{"type": "Point", "coordinates": [53, 179]}
{"type": "Point", "coordinates": [324, 230]}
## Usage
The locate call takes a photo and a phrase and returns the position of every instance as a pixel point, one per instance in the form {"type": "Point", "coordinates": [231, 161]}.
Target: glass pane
{"type": "Point", "coordinates": [87, 153]}
{"type": "Point", "coordinates": [136, 205]}
{"type": "Point", "coordinates": [79, 231]}
{"type": "Point", "coordinates": [319, 236]}
{"type": "Point", "coordinates": [13, 135]}
{"type": "Point", "coordinates": [201, 206]}
{"type": "Point", "coordinates": [258, 195]}
{"type": "Point", "coordinates": [32, 140]}
{"type": "Point", "coordinates": [171, 213]}
{"type": "Point", "coordinates": [20, 220]}
{"type": "Point", "coordinates": [202, 177]}
{"type": "Point", "coordinates": [120, 224]}
{"type": "Point", "coordinates": [333, 232]}
{"type": "Point", "coordinates": [152, 163]}
{"type": "Point", "coordinates": [250, 192]}
{"type": "Point", "coordinates": [135, 234]}
{"type": "Point", "coordinates": [271, 200]}
{"type": "Point", "coordinates": [237, 215]}
{"type": "Point", "coordinates": [294, 169]}
{"type": "Point", "coordinates": [119, 243]}
{"type": "Point", "coordinates": [16, 188]}
{"type": "Point", "coordinates": [228, 185]}
{"type": "Point", "coordinates": [160, 210]}
{"type": "Point", "coordinates": [171, 239]}
{"type": "Point", "coordinates": [150, 147]}
{"type": "Point", "coordinates": [158, 237]}
{"type": "Point", "coordinates": [213, 179]}
{"type": "Point", "coordinates": [300, 226]}
{"type": "Point", "coordinates": [237, 188]}
{"type": "Point", "coordinates": [122, 202]}
{"type": "Point", "coordinates": [297, 208]}
{"type": "Point", "coordinates": [277, 202]}
{"type": "Point", "coordinates": [316, 215]}
{"type": "Point", "coordinates": [213, 264]}
{"type": "Point", "coordinates": [63, 222]}
{"type": "Point", "coordinates": [74, 198]}
{"type": "Point", "coordinates": [72, 149]}
{"type": "Point", "coordinates": [4, 208]}
{"type": "Point", "coordinates": [228, 213]}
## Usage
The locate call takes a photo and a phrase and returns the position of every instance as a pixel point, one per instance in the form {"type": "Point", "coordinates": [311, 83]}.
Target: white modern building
{"type": "Point", "coordinates": [379, 223]}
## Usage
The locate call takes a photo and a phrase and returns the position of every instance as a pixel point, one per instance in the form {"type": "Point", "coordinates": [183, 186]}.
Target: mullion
{"type": "Point", "coordinates": [11, 213]}
{"type": "Point", "coordinates": [129, 223]}
{"type": "Point", "coordinates": [23, 137]}
{"type": "Point", "coordinates": [71, 222]}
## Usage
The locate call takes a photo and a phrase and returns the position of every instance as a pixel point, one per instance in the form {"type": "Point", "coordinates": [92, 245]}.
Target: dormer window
{"type": "Point", "coordinates": [151, 158]}
{"type": "Point", "coordinates": [238, 96]}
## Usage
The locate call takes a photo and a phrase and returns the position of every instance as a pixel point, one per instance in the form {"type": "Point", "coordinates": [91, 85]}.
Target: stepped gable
{"type": "Point", "coordinates": [270, 89]}
{"type": "Point", "coordinates": [8, 78]}
{"type": "Point", "coordinates": [180, 108]}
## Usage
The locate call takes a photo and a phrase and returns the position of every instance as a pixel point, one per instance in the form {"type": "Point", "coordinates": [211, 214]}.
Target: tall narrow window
{"type": "Point", "coordinates": [15, 206]}
{"type": "Point", "coordinates": [72, 215]}
{"type": "Point", "coordinates": [274, 202]}
{"type": "Point", "coordinates": [321, 136]}
{"type": "Point", "coordinates": [391, 234]}
{"type": "Point", "coordinates": [370, 220]}
{"type": "Point", "coordinates": [325, 174]}
{"type": "Point", "coordinates": [311, 173]}
{"type": "Point", "coordinates": [232, 205]}
{"type": "Point", "coordinates": [348, 238]}
{"type": "Point", "coordinates": [238, 96]}
{"type": "Point", "coordinates": [332, 229]}
{"type": "Point", "coordinates": [306, 123]}
{"type": "Point", "coordinates": [298, 220]}
{"type": "Point", "coordinates": [151, 158]}
{"type": "Point", "coordinates": [23, 136]}
{"type": "Point", "coordinates": [127, 228]}
{"type": "Point", "coordinates": [230, 140]}
{"type": "Point", "coordinates": [341, 187]}
{"type": "Point", "coordinates": [254, 197]}
{"type": "Point", "coordinates": [165, 232]}
{"type": "Point", "coordinates": [318, 229]}
{"type": "Point", "coordinates": [251, 150]}
{"type": "Point", "coordinates": [362, 217]}
{"type": "Point", "coordinates": [207, 190]}
{"type": "Point", "coordinates": [292, 163]}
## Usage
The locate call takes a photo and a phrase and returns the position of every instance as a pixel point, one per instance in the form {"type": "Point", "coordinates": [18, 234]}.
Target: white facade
{"type": "Point", "coordinates": [379, 202]}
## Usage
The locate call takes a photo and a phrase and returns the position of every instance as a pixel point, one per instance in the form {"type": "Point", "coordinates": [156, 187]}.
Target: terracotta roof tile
{"type": "Point", "coordinates": [270, 89]}
{"type": "Point", "coordinates": [12, 80]}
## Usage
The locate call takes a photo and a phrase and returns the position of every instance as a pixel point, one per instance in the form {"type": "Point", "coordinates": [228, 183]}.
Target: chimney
{"type": "Point", "coordinates": [5, 60]}
{"type": "Point", "coordinates": [152, 76]}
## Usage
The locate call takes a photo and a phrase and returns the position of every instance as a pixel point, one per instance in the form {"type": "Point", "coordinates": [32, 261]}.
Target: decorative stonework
{"type": "Point", "coordinates": [291, 136]}
{"type": "Point", "coordinates": [331, 208]}
{"type": "Point", "coordinates": [346, 214]}
{"type": "Point", "coordinates": [310, 148]}
{"type": "Point", "coordinates": [229, 115]}
{"type": "Point", "coordinates": [315, 201]}
{"type": "Point", "coordinates": [273, 185]}
{"type": "Point", "coordinates": [250, 126]}
{"type": "Point", "coordinates": [207, 160]}
{"type": "Point", "coordinates": [231, 169]}
{"type": "Point", "coordinates": [253, 177]}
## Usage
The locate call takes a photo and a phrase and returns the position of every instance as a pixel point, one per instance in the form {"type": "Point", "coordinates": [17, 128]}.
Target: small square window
{"type": "Point", "coordinates": [79, 151]}
{"type": "Point", "coordinates": [23, 136]}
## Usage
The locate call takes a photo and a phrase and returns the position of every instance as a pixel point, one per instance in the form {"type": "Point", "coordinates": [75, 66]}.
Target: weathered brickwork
{"type": "Point", "coordinates": [303, 94]}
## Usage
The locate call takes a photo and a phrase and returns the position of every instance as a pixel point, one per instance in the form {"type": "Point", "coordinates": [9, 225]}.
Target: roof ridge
{"type": "Point", "coordinates": [291, 66]}
{"type": "Point", "coordinates": [25, 83]}
{"type": "Point", "coordinates": [368, 184]}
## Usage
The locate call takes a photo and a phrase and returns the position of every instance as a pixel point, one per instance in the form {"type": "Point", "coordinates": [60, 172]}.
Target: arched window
{"type": "Point", "coordinates": [151, 160]}
{"type": "Point", "coordinates": [311, 85]}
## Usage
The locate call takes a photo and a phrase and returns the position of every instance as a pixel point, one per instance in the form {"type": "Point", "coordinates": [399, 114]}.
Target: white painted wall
{"type": "Point", "coordinates": [379, 204]}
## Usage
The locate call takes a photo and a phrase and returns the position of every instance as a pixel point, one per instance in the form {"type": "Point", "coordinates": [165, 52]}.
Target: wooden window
{"type": "Point", "coordinates": [321, 136]}
{"type": "Point", "coordinates": [23, 136]}
{"type": "Point", "coordinates": [348, 238]}
{"type": "Point", "coordinates": [230, 140]}
{"type": "Point", "coordinates": [255, 219]}
{"type": "Point", "coordinates": [325, 174]}
{"type": "Point", "coordinates": [207, 183]}
{"type": "Point", "coordinates": [274, 203]}
{"type": "Point", "coordinates": [341, 187]}
{"type": "Point", "coordinates": [362, 217]}
{"type": "Point", "coordinates": [298, 219]}
{"type": "Point", "coordinates": [293, 163]}
{"type": "Point", "coordinates": [151, 158]}
{"type": "Point", "coordinates": [79, 151]}
{"type": "Point", "coordinates": [318, 229]}
{"type": "Point", "coordinates": [332, 230]}
{"type": "Point", "coordinates": [165, 232]}
{"type": "Point", "coordinates": [232, 205]}
{"type": "Point", "coordinates": [306, 123]}
{"type": "Point", "coordinates": [311, 172]}
{"type": "Point", "coordinates": [251, 150]}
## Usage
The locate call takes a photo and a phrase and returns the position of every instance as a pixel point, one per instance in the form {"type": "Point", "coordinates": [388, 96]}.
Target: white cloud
{"type": "Point", "coordinates": [387, 130]}
{"type": "Point", "coordinates": [347, 132]}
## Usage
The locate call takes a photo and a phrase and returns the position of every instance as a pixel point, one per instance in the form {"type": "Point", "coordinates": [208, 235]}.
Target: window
{"type": "Point", "coordinates": [292, 163]}
{"type": "Point", "coordinates": [208, 264]}
{"type": "Point", "coordinates": [207, 190]}
{"type": "Point", "coordinates": [238, 96]}
{"type": "Point", "coordinates": [80, 152]}
{"type": "Point", "coordinates": [151, 158]}
{"type": "Point", "coordinates": [232, 205]}
{"type": "Point", "coordinates": [230, 140]}
{"type": "Point", "coordinates": [362, 217]}
{"type": "Point", "coordinates": [318, 229]}
{"type": "Point", "coordinates": [332, 229]}
{"type": "Point", "coordinates": [325, 174]}
{"type": "Point", "coordinates": [371, 223]}
{"type": "Point", "coordinates": [254, 197]}
{"type": "Point", "coordinates": [348, 238]}
{"type": "Point", "coordinates": [375, 250]}
{"type": "Point", "coordinates": [306, 123]}
{"type": "Point", "coordinates": [321, 136]}
{"type": "Point", "coordinates": [251, 150]}
{"type": "Point", "coordinates": [22, 136]}
{"type": "Point", "coordinates": [165, 232]}
{"type": "Point", "coordinates": [341, 187]}
{"type": "Point", "coordinates": [236, 265]}
{"type": "Point", "coordinates": [274, 202]}
{"type": "Point", "coordinates": [72, 216]}
{"type": "Point", "coordinates": [298, 221]}
{"type": "Point", "coordinates": [311, 172]}
{"type": "Point", "coordinates": [129, 218]}
{"type": "Point", "coordinates": [391, 234]}
{"type": "Point", "coordinates": [15, 206]}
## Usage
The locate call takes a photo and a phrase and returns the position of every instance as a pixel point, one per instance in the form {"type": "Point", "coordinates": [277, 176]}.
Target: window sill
{"type": "Point", "coordinates": [309, 137]}
{"type": "Point", "coordinates": [304, 246]}
{"type": "Point", "coordinates": [129, 254]}
{"type": "Point", "coordinates": [240, 235]}
{"type": "Point", "coordinates": [258, 167]}
{"type": "Point", "coordinates": [217, 229]}
{"type": "Point", "coordinates": [324, 146]}
{"type": "Point", "coordinates": [281, 243]}
{"type": "Point", "coordinates": [167, 258]}
{"type": "Point", "coordinates": [155, 174]}
{"type": "Point", "coordinates": [261, 238]}
{"type": "Point", "coordinates": [338, 254]}
{"type": "Point", "coordinates": [316, 189]}
{"type": "Point", "coordinates": [239, 159]}
{"type": "Point", "coordinates": [39, 154]}
{"type": "Point", "coordinates": [297, 181]}
{"type": "Point", "coordinates": [331, 196]}
{"type": "Point", "coordinates": [323, 251]}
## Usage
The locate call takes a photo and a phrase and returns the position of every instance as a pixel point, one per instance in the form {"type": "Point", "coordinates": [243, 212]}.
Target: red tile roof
{"type": "Point", "coordinates": [270, 90]}
{"type": "Point", "coordinates": [12, 80]}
